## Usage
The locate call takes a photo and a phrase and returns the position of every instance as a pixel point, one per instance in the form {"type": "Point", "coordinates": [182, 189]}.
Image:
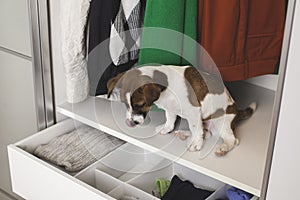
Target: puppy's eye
{"type": "Point", "coordinates": [139, 105]}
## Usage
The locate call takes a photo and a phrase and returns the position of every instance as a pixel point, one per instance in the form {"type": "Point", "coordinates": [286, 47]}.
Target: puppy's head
{"type": "Point", "coordinates": [138, 92]}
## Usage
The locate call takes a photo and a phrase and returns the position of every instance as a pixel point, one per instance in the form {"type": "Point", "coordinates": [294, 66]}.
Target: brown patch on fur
{"type": "Point", "coordinates": [215, 84]}
{"type": "Point", "coordinates": [200, 84]}
{"type": "Point", "coordinates": [244, 114]}
{"type": "Point", "coordinates": [232, 109]}
{"type": "Point", "coordinates": [112, 83]}
{"type": "Point", "coordinates": [152, 92]}
{"type": "Point", "coordinates": [148, 89]}
{"type": "Point", "coordinates": [143, 97]}
{"type": "Point", "coordinates": [124, 79]}
{"type": "Point", "coordinates": [143, 89]}
{"type": "Point", "coordinates": [239, 114]}
{"type": "Point", "coordinates": [220, 112]}
{"type": "Point", "coordinates": [196, 86]}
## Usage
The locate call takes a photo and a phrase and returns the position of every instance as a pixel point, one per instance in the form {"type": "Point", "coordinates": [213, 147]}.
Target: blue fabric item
{"type": "Point", "coordinates": [236, 194]}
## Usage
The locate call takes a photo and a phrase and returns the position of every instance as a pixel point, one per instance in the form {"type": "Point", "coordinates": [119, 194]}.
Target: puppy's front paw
{"type": "Point", "coordinates": [163, 129]}
{"type": "Point", "coordinates": [182, 134]}
{"type": "Point", "coordinates": [196, 145]}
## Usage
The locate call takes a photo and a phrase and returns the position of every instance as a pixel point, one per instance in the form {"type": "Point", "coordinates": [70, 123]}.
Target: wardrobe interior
{"type": "Point", "coordinates": [244, 40]}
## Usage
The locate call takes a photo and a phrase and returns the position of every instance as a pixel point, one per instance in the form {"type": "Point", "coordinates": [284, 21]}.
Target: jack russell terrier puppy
{"type": "Point", "coordinates": [200, 98]}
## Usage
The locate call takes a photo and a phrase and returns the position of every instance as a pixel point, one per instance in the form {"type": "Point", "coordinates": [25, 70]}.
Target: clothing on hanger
{"type": "Point", "coordinates": [169, 33]}
{"type": "Point", "coordinates": [73, 22]}
{"type": "Point", "coordinates": [111, 50]}
{"type": "Point", "coordinates": [126, 32]}
{"type": "Point", "coordinates": [243, 38]}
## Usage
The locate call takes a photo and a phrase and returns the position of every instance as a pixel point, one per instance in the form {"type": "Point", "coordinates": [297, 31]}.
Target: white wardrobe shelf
{"type": "Point", "coordinates": [243, 167]}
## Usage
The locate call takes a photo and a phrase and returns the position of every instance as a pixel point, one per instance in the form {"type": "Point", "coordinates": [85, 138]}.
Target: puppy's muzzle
{"type": "Point", "coordinates": [131, 123]}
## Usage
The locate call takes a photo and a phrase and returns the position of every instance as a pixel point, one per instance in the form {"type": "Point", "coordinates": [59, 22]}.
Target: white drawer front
{"type": "Point", "coordinates": [14, 26]}
{"type": "Point", "coordinates": [34, 179]}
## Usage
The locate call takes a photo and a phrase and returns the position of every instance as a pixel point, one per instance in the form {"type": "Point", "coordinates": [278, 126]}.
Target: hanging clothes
{"type": "Point", "coordinates": [243, 37]}
{"type": "Point", "coordinates": [74, 15]}
{"type": "Point", "coordinates": [114, 36]}
{"type": "Point", "coordinates": [124, 46]}
{"type": "Point", "coordinates": [169, 33]}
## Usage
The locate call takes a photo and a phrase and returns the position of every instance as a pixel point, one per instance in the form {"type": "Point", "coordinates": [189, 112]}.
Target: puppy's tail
{"type": "Point", "coordinates": [246, 113]}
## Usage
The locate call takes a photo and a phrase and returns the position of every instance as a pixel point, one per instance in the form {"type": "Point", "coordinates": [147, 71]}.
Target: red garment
{"type": "Point", "coordinates": [243, 37]}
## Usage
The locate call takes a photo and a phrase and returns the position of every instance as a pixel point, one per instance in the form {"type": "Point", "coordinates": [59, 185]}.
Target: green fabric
{"type": "Point", "coordinates": [162, 41]}
{"type": "Point", "coordinates": [190, 30]}
{"type": "Point", "coordinates": [159, 43]}
{"type": "Point", "coordinates": [162, 186]}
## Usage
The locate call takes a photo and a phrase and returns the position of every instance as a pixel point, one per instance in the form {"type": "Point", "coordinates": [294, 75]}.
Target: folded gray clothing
{"type": "Point", "coordinates": [76, 150]}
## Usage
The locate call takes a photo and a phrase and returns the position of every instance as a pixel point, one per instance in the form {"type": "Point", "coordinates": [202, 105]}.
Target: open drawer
{"type": "Point", "coordinates": [128, 170]}
{"type": "Point", "coordinates": [35, 179]}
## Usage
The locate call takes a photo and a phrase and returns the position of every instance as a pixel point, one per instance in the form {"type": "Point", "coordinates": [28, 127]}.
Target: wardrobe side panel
{"type": "Point", "coordinates": [58, 69]}
{"type": "Point", "coordinates": [284, 175]}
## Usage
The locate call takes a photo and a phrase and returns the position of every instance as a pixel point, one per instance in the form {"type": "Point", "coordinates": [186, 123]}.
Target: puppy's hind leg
{"type": "Point", "coordinates": [196, 126]}
{"type": "Point", "coordinates": [207, 129]}
{"type": "Point", "coordinates": [229, 140]}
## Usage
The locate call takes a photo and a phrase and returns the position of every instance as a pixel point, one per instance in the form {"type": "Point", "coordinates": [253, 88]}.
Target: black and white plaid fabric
{"type": "Point", "coordinates": [126, 32]}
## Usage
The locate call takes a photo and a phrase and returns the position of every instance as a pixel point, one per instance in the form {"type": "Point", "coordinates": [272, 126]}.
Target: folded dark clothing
{"type": "Point", "coordinates": [76, 150]}
{"type": "Point", "coordinates": [179, 190]}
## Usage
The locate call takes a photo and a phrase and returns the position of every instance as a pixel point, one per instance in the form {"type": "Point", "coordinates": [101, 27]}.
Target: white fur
{"type": "Point", "coordinates": [169, 125]}
{"type": "Point", "coordinates": [174, 100]}
{"type": "Point", "coordinates": [115, 96]}
{"type": "Point", "coordinates": [213, 102]}
{"type": "Point", "coordinates": [129, 115]}
{"type": "Point", "coordinates": [253, 105]}
{"type": "Point", "coordinates": [222, 125]}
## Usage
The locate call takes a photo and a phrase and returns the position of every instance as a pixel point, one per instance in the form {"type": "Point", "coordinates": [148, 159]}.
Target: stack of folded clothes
{"type": "Point", "coordinates": [78, 149]}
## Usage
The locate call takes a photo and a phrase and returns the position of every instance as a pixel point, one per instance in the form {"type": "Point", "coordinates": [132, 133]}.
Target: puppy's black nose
{"type": "Point", "coordinates": [136, 122]}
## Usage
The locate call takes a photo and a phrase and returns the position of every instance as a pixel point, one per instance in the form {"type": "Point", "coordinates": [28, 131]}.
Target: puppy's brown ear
{"type": "Point", "coordinates": [152, 92]}
{"type": "Point", "coordinates": [112, 83]}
